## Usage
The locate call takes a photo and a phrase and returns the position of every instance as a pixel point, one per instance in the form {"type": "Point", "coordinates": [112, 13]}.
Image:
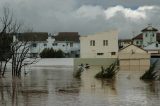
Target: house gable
{"type": "Point", "coordinates": [131, 49]}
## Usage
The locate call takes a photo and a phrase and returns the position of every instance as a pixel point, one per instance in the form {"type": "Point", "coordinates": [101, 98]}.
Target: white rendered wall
{"type": "Point", "coordinates": [88, 51]}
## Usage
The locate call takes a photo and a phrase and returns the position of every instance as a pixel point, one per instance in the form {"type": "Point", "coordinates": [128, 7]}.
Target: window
{"type": "Point", "coordinates": [153, 34]}
{"type": "Point", "coordinates": [105, 42]}
{"type": "Point", "coordinates": [92, 43]}
{"type": "Point", "coordinates": [71, 44]}
{"type": "Point", "coordinates": [156, 45]}
{"type": "Point", "coordinates": [34, 45]}
{"type": "Point", "coordinates": [54, 44]}
{"type": "Point", "coordinates": [146, 35]}
{"type": "Point", "coordinates": [113, 53]}
{"type": "Point", "coordinates": [100, 53]}
{"type": "Point", "coordinates": [137, 42]}
{"type": "Point", "coordinates": [45, 44]}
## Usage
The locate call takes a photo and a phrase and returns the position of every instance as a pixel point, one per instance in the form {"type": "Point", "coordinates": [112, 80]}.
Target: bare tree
{"type": "Point", "coordinates": [17, 51]}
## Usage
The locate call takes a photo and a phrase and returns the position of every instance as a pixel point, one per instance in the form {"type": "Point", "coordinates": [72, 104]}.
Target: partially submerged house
{"type": "Point", "coordinates": [99, 45]}
{"type": "Point", "coordinates": [133, 55]}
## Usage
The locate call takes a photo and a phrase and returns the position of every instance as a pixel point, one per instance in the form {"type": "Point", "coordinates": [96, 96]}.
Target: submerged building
{"type": "Point", "coordinates": [99, 45]}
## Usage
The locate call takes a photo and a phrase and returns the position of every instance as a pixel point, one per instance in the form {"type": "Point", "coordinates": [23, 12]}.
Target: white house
{"type": "Point", "coordinates": [99, 45]}
{"type": "Point", "coordinates": [148, 36]}
{"type": "Point", "coordinates": [68, 42]}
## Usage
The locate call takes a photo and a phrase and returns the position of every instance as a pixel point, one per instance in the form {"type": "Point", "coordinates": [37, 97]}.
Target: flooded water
{"type": "Point", "coordinates": [51, 86]}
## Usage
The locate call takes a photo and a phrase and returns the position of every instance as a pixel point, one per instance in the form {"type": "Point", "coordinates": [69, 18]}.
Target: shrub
{"type": "Point", "coordinates": [109, 72]}
{"type": "Point", "coordinates": [51, 53]}
{"type": "Point", "coordinates": [77, 73]}
{"type": "Point", "coordinates": [150, 74]}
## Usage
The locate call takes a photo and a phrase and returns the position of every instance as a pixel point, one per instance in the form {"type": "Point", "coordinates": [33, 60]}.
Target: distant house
{"type": "Point", "coordinates": [35, 40]}
{"type": "Point", "coordinates": [148, 36]}
{"type": "Point", "coordinates": [133, 55]}
{"type": "Point", "coordinates": [124, 42]}
{"type": "Point", "coordinates": [68, 42]}
{"type": "Point", "coordinates": [99, 45]}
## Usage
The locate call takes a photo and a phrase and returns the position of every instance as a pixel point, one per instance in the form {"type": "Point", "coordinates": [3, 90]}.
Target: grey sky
{"type": "Point", "coordinates": [87, 16]}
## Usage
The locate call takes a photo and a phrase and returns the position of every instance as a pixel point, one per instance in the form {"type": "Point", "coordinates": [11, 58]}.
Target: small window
{"type": "Point", "coordinates": [156, 45]}
{"type": "Point", "coordinates": [137, 42]}
{"type": "Point", "coordinates": [54, 44]}
{"type": "Point", "coordinates": [34, 45]}
{"type": "Point", "coordinates": [113, 53]}
{"type": "Point", "coordinates": [105, 42]}
{"type": "Point", "coordinates": [153, 34]}
{"type": "Point", "coordinates": [71, 44]}
{"type": "Point", "coordinates": [100, 53]}
{"type": "Point", "coordinates": [146, 35]}
{"type": "Point", "coordinates": [63, 45]}
{"type": "Point", "coordinates": [92, 43]}
{"type": "Point", "coordinates": [45, 44]}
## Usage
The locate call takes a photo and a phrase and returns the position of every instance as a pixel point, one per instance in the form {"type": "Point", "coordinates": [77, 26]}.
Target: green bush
{"type": "Point", "coordinates": [151, 74]}
{"type": "Point", "coordinates": [109, 72]}
{"type": "Point", "coordinates": [51, 53]}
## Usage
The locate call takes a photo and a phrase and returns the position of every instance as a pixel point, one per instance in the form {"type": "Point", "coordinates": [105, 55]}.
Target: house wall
{"type": "Point", "coordinates": [133, 55]}
{"type": "Point", "coordinates": [149, 37]}
{"type": "Point", "coordinates": [66, 47]}
{"type": "Point", "coordinates": [88, 51]}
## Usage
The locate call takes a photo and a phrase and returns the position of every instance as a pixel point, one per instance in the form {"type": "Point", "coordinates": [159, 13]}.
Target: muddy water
{"type": "Point", "coordinates": [56, 87]}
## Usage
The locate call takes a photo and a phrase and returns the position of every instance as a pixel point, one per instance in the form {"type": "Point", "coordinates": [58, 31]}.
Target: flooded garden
{"type": "Point", "coordinates": [56, 86]}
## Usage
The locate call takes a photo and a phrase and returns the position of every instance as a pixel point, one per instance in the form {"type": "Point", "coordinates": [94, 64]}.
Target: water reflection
{"type": "Point", "coordinates": [57, 87]}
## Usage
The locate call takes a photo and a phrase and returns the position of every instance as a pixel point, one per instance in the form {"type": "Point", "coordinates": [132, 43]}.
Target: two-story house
{"type": "Point", "coordinates": [68, 42]}
{"type": "Point", "coordinates": [99, 45]}
{"type": "Point", "coordinates": [148, 36]}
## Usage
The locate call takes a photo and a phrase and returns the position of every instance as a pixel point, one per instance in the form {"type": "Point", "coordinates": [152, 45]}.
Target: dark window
{"type": "Point", "coordinates": [71, 44]}
{"type": "Point", "coordinates": [72, 52]}
{"type": "Point", "coordinates": [100, 53]}
{"type": "Point", "coordinates": [113, 53]}
{"type": "Point", "coordinates": [137, 42]}
{"type": "Point", "coordinates": [146, 35]}
{"type": "Point", "coordinates": [54, 44]}
{"type": "Point", "coordinates": [92, 43]}
{"type": "Point", "coordinates": [105, 42]}
{"type": "Point", "coordinates": [153, 34]}
{"type": "Point", "coordinates": [156, 45]}
{"type": "Point", "coordinates": [45, 44]}
{"type": "Point", "coordinates": [34, 45]}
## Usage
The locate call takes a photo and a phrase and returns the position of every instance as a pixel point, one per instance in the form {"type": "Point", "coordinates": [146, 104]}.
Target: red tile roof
{"type": "Point", "coordinates": [140, 36]}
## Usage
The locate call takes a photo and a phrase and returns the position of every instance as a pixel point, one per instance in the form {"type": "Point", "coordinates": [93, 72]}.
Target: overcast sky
{"type": "Point", "coordinates": [87, 16]}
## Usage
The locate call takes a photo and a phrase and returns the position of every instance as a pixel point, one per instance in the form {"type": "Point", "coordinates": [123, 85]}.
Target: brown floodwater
{"type": "Point", "coordinates": [51, 86]}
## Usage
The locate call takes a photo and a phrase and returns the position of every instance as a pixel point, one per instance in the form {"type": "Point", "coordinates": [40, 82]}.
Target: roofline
{"type": "Point", "coordinates": [133, 45]}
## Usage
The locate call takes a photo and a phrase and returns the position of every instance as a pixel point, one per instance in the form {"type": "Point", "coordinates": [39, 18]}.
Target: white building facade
{"type": "Point", "coordinates": [68, 42]}
{"type": "Point", "coordinates": [100, 45]}
{"type": "Point", "coordinates": [148, 36]}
